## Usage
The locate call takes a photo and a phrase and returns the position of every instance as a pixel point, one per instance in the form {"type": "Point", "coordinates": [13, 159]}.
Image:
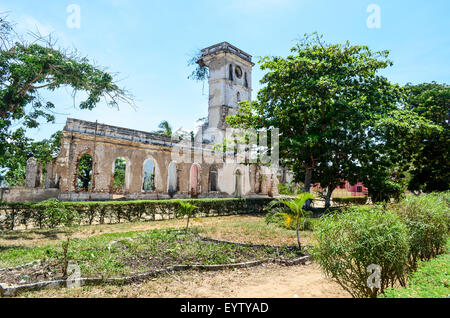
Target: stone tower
{"type": "Point", "coordinates": [230, 81]}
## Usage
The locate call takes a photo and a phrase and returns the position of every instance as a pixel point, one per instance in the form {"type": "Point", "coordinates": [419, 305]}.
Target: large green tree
{"type": "Point", "coordinates": [322, 97]}
{"type": "Point", "coordinates": [27, 69]}
{"type": "Point", "coordinates": [20, 148]}
{"type": "Point", "coordinates": [386, 156]}
{"type": "Point", "coordinates": [431, 165]}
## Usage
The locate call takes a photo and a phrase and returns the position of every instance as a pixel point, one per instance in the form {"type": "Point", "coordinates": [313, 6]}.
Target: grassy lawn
{"type": "Point", "coordinates": [129, 248]}
{"type": "Point", "coordinates": [237, 228]}
{"type": "Point", "coordinates": [123, 254]}
{"type": "Point", "coordinates": [431, 280]}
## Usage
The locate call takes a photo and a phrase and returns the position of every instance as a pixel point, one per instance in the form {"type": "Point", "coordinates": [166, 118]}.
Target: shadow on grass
{"type": "Point", "coordinates": [5, 248]}
{"type": "Point", "coordinates": [32, 234]}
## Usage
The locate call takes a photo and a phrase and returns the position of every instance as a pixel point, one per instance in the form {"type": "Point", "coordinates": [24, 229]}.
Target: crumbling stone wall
{"type": "Point", "coordinates": [33, 174]}
{"type": "Point", "coordinates": [107, 143]}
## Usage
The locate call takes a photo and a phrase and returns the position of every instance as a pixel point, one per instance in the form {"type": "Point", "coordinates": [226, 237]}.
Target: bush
{"type": "Point", "coordinates": [349, 242]}
{"type": "Point", "coordinates": [350, 200]}
{"type": "Point", "coordinates": [284, 189]}
{"type": "Point", "coordinates": [427, 218]}
{"type": "Point", "coordinates": [55, 213]}
{"type": "Point", "coordinates": [431, 280]}
{"type": "Point", "coordinates": [290, 188]}
{"type": "Point", "coordinates": [14, 214]}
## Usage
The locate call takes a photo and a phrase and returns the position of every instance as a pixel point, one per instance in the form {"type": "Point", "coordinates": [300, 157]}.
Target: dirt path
{"type": "Point", "coordinates": [270, 281]}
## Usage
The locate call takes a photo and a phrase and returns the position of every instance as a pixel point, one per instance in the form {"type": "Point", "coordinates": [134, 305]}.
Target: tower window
{"type": "Point", "coordinates": [245, 80]}
{"type": "Point", "coordinates": [230, 75]}
{"type": "Point", "coordinates": [238, 72]}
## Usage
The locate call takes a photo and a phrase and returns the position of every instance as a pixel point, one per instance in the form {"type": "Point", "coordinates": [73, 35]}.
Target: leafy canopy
{"type": "Point", "coordinates": [27, 69]}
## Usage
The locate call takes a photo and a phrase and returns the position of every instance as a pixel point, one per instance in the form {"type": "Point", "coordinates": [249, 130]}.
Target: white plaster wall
{"type": "Point", "coordinates": [226, 178]}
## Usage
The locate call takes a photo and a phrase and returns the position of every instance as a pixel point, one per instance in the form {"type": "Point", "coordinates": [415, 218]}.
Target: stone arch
{"type": "Point", "coordinates": [213, 179]}
{"type": "Point", "coordinates": [172, 179]}
{"type": "Point", "coordinates": [194, 180]}
{"type": "Point", "coordinates": [84, 172]}
{"type": "Point", "coordinates": [149, 175]}
{"type": "Point", "coordinates": [120, 174]}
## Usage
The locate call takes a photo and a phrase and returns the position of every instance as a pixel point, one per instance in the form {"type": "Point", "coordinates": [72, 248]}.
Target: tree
{"type": "Point", "coordinates": [20, 149]}
{"type": "Point", "coordinates": [164, 129]}
{"type": "Point", "coordinates": [431, 170]}
{"type": "Point", "coordinates": [322, 97]}
{"type": "Point", "coordinates": [5, 32]}
{"type": "Point", "coordinates": [84, 173]}
{"type": "Point", "coordinates": [294, 214]}
{"type": "Point", "coordinates": [120, 166]}
{"type": "Point", "coordinates": [26, 69]}
{"type": "Point", "coordinates": [387, 154]}
{"type": "Point", "coordinates": [331, 173]}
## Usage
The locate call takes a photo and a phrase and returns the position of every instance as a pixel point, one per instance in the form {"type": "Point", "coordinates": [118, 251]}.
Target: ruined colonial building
{"type": "Point", "coordinates": [156, 166]}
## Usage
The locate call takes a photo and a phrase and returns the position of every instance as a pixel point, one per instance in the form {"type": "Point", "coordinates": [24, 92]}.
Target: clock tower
{"type": "Point", "coordinates": [230, 81]}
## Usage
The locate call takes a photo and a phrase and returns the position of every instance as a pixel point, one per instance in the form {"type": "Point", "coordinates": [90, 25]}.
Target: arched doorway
{"type": "Point", "coordinates": [149, 176]}
{"type": "Point", "coordinates": [238, 183]}
{"type": "Point", "coordinates": [194, 186]}
{"type": "Point", "coordinates": [213, 179]}
{"type": "Point", "coordinates": [83, 180]}
{"type": "Point", "coordinates": [120, 167]}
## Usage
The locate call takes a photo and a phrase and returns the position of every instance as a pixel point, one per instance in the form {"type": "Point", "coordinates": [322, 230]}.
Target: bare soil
{"type": "Point", "coordinates": [44, 271]}
{"type": "Point", "coordinates": [270, 281]}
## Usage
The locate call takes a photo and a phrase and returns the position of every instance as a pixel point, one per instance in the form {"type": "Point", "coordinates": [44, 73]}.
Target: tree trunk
{"type": "Point", "coordinates": [298, 239]}
{"type": "Point", "coordinates": [330, 190]}
{"type": "Point", "coordinates": [308, 177]}
{"type": "Point", "coordinates": [187, 225]}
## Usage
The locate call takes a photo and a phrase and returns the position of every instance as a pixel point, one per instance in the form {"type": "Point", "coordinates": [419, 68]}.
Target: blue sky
{"type": "Point", "coordinates": [148, 44]}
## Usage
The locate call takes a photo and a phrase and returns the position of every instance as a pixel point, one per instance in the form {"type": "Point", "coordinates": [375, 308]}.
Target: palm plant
{"type": "Point", "coordinates": [164, 129]}
{"type": "Point", "coordinates": [186, 209]}
{"type": "Point", "coordinates": [295, 213]}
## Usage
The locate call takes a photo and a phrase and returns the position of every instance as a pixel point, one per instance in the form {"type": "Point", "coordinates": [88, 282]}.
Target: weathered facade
{"type": "Point", "coordinates": [181, 169]}
{"type": "Point", "coordinates": [158, 166]}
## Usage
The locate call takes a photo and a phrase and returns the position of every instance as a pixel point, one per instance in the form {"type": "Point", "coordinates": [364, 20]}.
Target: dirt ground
{"type": "Point", "coordinates": [270, 281]}
{"type": "Point", "coordinates": [239, 228]}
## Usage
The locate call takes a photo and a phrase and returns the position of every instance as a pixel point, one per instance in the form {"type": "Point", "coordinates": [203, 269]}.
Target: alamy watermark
{"type": "Point", "coordinates": [234, 146]}
{"type": "Point", "coordinates": [374, 19]}
{"type": "Point", "coordinates": [74, 19]}
{"type": "Point", "coordinates": [74, 278]}
{"type": "Point", "coordinates": [374, 279]}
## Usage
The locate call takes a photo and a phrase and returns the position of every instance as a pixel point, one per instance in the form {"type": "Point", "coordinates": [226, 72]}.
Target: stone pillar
{"type": "Point", "coordinates": [50, 178]}
{"type": "Point", "coordinates": [33, 174]}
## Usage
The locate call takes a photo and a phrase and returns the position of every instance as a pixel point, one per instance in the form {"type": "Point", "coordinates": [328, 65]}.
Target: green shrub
{"type": "Point", "coordinates": [431, 280]}
{"type": "Point", "coordinates": [54, 213]}
{"type": "Point", "coordinates": [427, 218]}
{"type": "Point", "coordinates": [350, 200]}
{"type": "Point", "coordinates": [349, 242]}
{"type": "Point", "coordinates": [13, 214]}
